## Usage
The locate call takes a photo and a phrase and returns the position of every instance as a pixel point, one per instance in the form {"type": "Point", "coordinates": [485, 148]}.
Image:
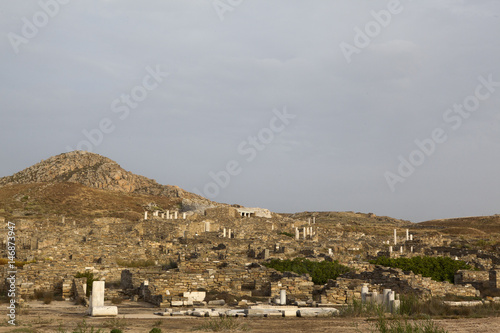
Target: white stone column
{"type": "Point", "coordinates": [283, 297]}
{"type": "Point", "coordinates": [98, 293]}
{"type": "Point", "coordinates": [401, 249]}
{"type": "Point", "coordinates": [395, 237]}
{"type": "Point", "coordinates": [304, 230]}
{"type": "Point", "coordinates": [314, 220]}
{"type": "Point", "coordinates": [229, 233]}
{"type": "Point", "coordinates": [297, 233]}
{"type": "Point", "coordinates": [385, 295]}
{"type": "Point", "coordinates": [407, 234]}
{"type": "Point", "coordinates": [175, 215]}
{"type": "Point", "coordinates": [184, 216]}
{"type": "Point", "coordinates": [224, 233]}
{"type": "Point", "coordinates": [411, 237]}
{"type": "Point", "coordinates": [390, 249]}
{"type": "Point", "coordinates": [330, 252]}
{"type": "Point", "coordinates": [146, 215]}
{"type": "Point", "coordinates": [411, 249]}
{"type": "Point", "coordinates": [364, 292]}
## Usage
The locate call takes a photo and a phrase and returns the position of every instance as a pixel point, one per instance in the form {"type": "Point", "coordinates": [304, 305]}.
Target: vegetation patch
{"type": "Point", "coordinates": [320, 272]}
{"type": "Point", "coordinates": [437, 268]}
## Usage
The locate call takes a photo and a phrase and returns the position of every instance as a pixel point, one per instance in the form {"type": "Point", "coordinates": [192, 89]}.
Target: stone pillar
{"type": "Point", "coordinates": [224, 233]}
{"type": "Point", "coordinates": [98, 293]}
{"type": "Point", "coordinates": [390, 249]}
{"type": "Point", "coordinates": [272, 226]}
{"type": "Point", "coordinates": [395, 237]}
{"type": "Point", "coordinates": [374, 296]}
{"type": "Point", "coordinates": [63, 219]}
{"type": "Point", "coordinates": [297, 233]}
{"type": "Point", "coordinates": [207, 226]}
{"type": "Point", "coordinates": [390, 299]}
{"type": "Point", "coordinates": [411, 237]}
{"type": "Point", "coordinates": [283, 297]}
{"type": "Point", "coordinates": [407, 234]}
{"type": "Point", "coordinates": [146, 215]}
{"type": "Point", "coordinates": [175, 215]}
{"type": "Point", "coordinates": [385, 295]}
{"type": "Point", "coordinates": [168, 214]}
{"type": "Point", "coordinates": [314, 220]}
{"type": "Point", "coordinates": [330, 252]}
{"type": "Point", "coordinates": [411, 249]}
{"type": "Point", "coordinates": [309, 221]}
{"type": "Point", "coordinates": [184, 216]}
{"type": "Point", "coordinates": [156, 212]}
{"type": "Point", "coordinates": [401, 249]}
{"type": "Point", "coordinates": [395, 306]}
{"type": "Point", "coordinates": [364, 292]}
{"type": "Point", "coordinates": [312, 232]}
{"type": "Point", "coordinates": [304, 230]}
{"type": "Point", "coordinates": [229, 234]}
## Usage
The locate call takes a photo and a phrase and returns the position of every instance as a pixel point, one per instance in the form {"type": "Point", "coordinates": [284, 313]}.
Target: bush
{"type": "Point", "coordinates": [284, 233]}
{"type": "Point", "coordinates": [437, 268]}
{"type": "Point", "coordinates": [116, 330]}
{"type": "Point", "coordinates": [320, 272]}
{"type": "Point", "coordinates": [90, 280]}
{"type": "Point", "coordinates": [155, 330]}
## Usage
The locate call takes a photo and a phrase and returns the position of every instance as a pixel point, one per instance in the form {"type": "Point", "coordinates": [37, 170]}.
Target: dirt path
{"type": "Point", "coordinates": [136, 318]}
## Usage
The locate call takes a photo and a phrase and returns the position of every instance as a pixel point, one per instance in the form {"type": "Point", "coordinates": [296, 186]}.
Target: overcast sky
{"type": "Point", "coordinates": [365, 106]}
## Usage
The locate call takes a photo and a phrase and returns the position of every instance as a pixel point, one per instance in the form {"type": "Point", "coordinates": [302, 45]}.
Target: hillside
{"type": "Point", "coordinates": [94, 171]}
{"type": "Point", "coordinates": [466, 226]}
{"type": "Point", "coordinates": [75, 200]}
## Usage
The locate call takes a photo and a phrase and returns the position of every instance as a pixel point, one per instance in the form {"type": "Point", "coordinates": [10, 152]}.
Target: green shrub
{"type": "Point", "coordinates": [116, 330]}
{"type": "Point", "coordinates": [437, 268]}
{"type": "Point", "coordinates": [155, 330]}
{"type": "Point", "coordinates": [90, 280]}
{"type": "Point", "coordinates": [136, 263]}
{"type": "Point", "coordinates": [286, 234]}
{"type": "Point", "coordinates": [320, 272]}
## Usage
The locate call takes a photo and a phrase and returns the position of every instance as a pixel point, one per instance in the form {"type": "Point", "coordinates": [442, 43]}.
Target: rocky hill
{"type": "Point", "coordinates": [94, 171]}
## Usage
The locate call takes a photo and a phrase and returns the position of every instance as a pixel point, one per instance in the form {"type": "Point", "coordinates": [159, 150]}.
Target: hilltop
{"type": "Point", "coordinates": [94, 171]}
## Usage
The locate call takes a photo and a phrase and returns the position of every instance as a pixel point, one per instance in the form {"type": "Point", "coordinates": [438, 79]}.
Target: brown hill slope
{"type": "Point", "coordinates": [75, 200]}
{"type": "Point", "coordinates": [94, 171]}
{"type": "Point", "coordinates": [471, 226]}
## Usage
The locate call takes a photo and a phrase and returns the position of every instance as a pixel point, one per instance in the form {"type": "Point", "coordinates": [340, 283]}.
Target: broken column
{"type": "Point", "coordinates": [283, 297]}
{"type": "Point", "coordinates": [184, 215]}
{"type": "Point", "coordinates": [364, 292]}
{"type": "Point", "coordinates": [146, 215]}
{"type": "Point", "coordinates": [97, 308]}
{"type": "Point", "coordinates": [297, 233]}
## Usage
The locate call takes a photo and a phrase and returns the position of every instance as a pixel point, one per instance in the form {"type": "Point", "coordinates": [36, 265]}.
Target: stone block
{"type": "Point", "coordinates": [217, 302]}
{"type": "Point", "coordinates": [195, 296]}
{"type": "Point", "coordinates": [103, 311]}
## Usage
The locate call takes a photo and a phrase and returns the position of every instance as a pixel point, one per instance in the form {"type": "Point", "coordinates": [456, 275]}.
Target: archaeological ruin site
{"type": "Point", "coordinates": [95, 243]}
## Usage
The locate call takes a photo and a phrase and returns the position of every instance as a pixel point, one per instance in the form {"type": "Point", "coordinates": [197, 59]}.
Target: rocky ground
{"type": "Point", "coordinates": [139, 318]}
